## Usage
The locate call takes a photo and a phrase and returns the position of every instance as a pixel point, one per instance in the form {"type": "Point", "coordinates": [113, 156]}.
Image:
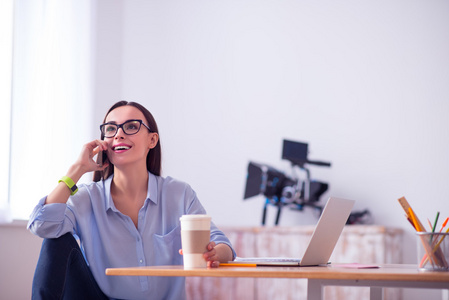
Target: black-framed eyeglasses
{"type": "Point", "coordinates": [130, 127]}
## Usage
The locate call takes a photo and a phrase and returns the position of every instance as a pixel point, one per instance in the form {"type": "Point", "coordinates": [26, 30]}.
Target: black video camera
{"type": "Point", "coordinates": [281, 190]}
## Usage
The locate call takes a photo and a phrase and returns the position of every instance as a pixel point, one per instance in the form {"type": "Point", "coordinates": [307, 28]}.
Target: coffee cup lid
{"type": "Point", "coordinates": [192, 217]}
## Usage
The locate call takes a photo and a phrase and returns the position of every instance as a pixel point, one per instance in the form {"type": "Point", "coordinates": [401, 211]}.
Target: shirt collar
{"type": "Point", "coordinates": [152, 194]}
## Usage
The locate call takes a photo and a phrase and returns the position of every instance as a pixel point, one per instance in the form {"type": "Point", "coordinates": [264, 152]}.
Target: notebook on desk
{"type": "Point", "coordinates": [321, 244]}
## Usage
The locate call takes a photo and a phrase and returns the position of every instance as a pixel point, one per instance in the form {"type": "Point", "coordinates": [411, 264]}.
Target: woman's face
{"type": "Point", "coordinates": [126, 149]}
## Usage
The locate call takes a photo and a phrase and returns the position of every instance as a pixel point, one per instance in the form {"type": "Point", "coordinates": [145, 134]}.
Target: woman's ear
{"type": "Point", "coordinates": [153, 140]}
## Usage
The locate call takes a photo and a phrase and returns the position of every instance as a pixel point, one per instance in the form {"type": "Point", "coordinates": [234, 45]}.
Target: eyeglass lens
{"type": "Point", "coordinates": [130, 127]}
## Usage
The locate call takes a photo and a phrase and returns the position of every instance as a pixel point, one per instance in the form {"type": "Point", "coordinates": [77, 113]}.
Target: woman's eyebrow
{"type": "Point", "coordinates": [115, 122]}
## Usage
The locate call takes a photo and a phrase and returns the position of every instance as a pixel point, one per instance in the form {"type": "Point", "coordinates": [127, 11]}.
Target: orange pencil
{"type": "Point", "coordinates": [444, 224]}
{"type": "Point", "coordinates": [237, 265]}
{"type": "Point", "coordinates": [415, 220]}
{"type": "Point", "coordinates": [420, 228]}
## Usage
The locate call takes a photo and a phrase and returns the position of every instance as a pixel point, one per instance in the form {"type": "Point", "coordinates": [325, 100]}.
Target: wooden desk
{"type": "Point", "coordinates": [386, 276]}
{"type": "Point", "coordinates": [367, 244]}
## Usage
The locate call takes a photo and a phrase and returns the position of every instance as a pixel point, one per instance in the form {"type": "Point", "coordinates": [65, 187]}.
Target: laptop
{"type": "Point", "coordinates": [323, 240]}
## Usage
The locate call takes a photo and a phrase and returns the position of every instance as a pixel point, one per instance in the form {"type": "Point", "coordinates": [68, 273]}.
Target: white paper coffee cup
{"type": "Point", "coordinates": [195, 236]}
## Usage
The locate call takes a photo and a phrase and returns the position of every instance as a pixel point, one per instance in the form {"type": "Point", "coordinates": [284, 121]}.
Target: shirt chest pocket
{"type": "Point", "coordinates": [167, 247]}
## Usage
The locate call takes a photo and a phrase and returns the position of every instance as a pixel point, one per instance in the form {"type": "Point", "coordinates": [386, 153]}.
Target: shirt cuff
{"type": "Point", "coordinates": [52, 212]}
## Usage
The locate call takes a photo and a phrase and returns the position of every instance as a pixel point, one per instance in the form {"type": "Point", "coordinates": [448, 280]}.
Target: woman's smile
{"type": "Point", "coordinates": [119, 148]}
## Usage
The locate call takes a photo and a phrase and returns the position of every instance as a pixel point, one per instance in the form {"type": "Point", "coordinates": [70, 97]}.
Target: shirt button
{"type": "Point", "coordinates": [141, 261]}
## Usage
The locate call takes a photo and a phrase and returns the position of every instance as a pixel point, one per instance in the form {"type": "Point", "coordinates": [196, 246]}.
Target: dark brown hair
{"type": "Point", "coordinates": [154, 156]}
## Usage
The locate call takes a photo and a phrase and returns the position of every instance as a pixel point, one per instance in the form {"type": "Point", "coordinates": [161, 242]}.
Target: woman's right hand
{"type": "Point", "coordinates": [85, 162]}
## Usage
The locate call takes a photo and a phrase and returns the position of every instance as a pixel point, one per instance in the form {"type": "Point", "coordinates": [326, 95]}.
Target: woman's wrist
{"type": "Point", "coordinates": [75, 172]}
{"type": "Point", "coordinates": [66, 186]}
{"type": "Point", "coordinates": [224, 252]}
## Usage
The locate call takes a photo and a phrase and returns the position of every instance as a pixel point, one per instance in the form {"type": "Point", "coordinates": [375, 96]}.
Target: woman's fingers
{"type": "Point", "coordinates": [213, 264]}
{"type": "Point", "coordinates": [86, 158]}
{"type": "Point", "coordinates": [211, 255]}
{"type": "Point", "coordinates": [96, 146]}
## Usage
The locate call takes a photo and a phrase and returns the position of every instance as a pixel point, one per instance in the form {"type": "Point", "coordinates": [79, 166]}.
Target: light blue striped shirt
{"type": "Point", "coordinates": [110, 239]}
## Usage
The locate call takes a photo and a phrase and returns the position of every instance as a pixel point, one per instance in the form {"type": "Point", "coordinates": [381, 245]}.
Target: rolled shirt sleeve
{"type": "Point", "coordinates": [51, 220]}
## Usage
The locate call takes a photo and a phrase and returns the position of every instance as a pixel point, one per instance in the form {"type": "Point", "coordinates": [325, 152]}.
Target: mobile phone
{"type": "Point", "coordinates": [102, 156]}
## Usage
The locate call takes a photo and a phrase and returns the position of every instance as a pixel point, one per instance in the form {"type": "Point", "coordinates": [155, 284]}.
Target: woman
{"type": "Point", "coordinates": [129, 216]}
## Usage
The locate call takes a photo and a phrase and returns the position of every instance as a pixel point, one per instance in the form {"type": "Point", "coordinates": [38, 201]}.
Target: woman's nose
{"type": "Point", "coordinates": [120, 133]}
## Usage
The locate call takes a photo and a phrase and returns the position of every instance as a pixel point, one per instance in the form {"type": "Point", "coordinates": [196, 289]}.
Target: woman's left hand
{"type": "Point", "coordinates": [211, 256]}
{"type": "Point", "coordinates": [216, 254]}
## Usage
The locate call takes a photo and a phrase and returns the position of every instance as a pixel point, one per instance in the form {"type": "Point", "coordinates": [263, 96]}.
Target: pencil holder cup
{"type": "Point", "coordinates": [433, 251]}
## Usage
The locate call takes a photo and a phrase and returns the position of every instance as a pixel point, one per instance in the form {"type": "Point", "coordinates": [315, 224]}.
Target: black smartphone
{"type": "Point", "coordinates": [102, 156]}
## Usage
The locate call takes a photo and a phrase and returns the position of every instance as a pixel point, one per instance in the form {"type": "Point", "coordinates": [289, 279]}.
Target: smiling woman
{"type": "Point", "coordinates": [51, 93]}
{"type": "Point", "coordinates": [130, 126]}
{"type": "Point", "coordinates": [130, 205]}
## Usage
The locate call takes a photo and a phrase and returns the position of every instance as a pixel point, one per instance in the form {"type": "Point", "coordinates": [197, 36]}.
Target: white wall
{"type": "Point", "coordinates": [19, 252]}
{"type": "Point", "coordinates": [363, 82]}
